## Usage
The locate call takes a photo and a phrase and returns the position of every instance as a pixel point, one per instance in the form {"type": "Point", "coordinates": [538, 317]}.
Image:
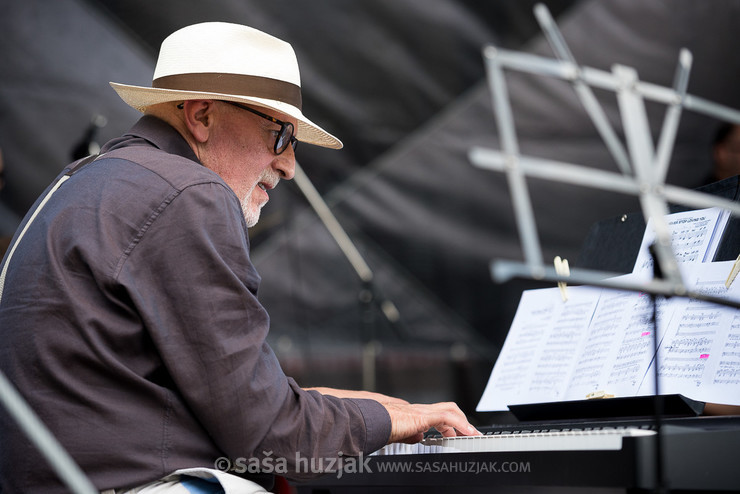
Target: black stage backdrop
{"type": "Point", "coordinates": [402, 83]}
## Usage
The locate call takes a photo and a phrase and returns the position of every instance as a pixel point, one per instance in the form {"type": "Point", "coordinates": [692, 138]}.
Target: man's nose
{"type": "Point", "coordinates": [285, 164]}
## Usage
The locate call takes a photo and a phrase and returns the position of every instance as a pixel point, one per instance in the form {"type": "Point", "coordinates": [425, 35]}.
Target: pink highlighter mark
{"type": "Point", "coordinates": [645, 333]}
{"type": "Point", "coordinates": [704, 355]}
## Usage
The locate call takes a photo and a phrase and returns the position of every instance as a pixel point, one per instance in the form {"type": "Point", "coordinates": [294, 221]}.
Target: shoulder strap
{"type": "Point", "coordinates": [73, 169]}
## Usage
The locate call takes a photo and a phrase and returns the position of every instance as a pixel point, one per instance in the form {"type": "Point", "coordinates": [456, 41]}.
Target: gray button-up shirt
{"type": "Point", "coordinates": [130, 323]}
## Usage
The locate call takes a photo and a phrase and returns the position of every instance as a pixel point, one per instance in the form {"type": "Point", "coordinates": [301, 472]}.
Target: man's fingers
{"type": "Point", "coordinates": [454, 422]}
{"type": "Point", "coordinates": [409, 422]}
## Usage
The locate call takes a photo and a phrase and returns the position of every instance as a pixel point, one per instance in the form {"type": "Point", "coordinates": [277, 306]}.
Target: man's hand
{"type": "Point", "coordinates": [365, 395]}
{"type": "Point", "coordinates": [409, 422]}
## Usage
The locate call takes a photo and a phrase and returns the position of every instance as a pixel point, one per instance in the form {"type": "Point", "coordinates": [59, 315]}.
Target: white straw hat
{"type": "Point", "coordinates": [223, 61]}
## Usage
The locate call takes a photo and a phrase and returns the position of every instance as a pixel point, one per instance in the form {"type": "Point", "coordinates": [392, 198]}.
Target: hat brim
{"type": "Point", "coordinates": [140, 97]}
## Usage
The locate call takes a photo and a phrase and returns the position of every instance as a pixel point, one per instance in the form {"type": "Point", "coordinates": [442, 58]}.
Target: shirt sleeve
{"type": "Point", "coordinates": [190, 278]}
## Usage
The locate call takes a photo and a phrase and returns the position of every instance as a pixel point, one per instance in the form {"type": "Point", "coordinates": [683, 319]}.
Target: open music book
{"type": "Point", "coordinates": [602, 339]}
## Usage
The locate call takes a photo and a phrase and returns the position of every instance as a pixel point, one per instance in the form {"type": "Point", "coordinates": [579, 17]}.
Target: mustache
{"type": "Point", "coordinates": [270, 178]}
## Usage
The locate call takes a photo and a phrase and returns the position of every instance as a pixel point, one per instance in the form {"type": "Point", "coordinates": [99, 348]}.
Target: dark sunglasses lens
{"type": "Point", "coordinates": [284, 138]}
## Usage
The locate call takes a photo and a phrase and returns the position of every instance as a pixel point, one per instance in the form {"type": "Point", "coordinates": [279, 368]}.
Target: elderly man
{"type": "Point", "coordinates": [129, 314]}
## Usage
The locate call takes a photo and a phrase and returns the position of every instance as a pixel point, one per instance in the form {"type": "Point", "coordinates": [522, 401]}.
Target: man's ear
{"type": "Point", "coordinates": [198, 116]}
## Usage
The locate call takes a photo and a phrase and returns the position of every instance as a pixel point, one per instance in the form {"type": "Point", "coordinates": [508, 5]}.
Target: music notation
{"type": "Point", "coordinates": [727, 373]}
{"type": "Point", "coordinates": [694, 237]}
{"type": "Point", "coordinates": [604, 339]}
{"type": "Point", "coordinates": [686, 370]}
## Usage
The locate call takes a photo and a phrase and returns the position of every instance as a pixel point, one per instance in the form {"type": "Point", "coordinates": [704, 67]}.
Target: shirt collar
{"type": "Point", "coordinates": [157, 133]}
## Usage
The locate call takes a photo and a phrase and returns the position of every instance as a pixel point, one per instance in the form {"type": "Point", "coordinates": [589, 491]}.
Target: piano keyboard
{"type": "Point", "coordinates": [605, 439]}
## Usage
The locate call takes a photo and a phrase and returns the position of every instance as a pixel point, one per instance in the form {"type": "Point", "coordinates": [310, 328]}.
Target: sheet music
{"type": "Point", "coordinates": [539, 355]}
{"type": "Point", "coordinates": [726, 371]}
{"type": "Point", "coordinates": [619, 346]}
{"type": "Point", "coordinates": [602, 340]}
{"type": "Point", "coordinates": [599, 349]}
{"type": "Point", "coordinates": [700, 354]}
{"type": "Point", "coordinates": [695, 237]}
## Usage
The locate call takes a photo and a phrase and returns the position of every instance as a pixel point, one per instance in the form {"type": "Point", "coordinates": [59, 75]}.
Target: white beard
{"type": "Point", "coordinates": [251, 213]}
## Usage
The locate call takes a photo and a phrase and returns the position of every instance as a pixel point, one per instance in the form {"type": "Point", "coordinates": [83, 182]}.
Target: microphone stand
{"type": "Point", "coordinates": [368, 295]}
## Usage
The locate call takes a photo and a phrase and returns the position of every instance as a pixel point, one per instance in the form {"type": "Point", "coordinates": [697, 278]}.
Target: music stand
{"type": "Point", "coordinates": [642, 167]}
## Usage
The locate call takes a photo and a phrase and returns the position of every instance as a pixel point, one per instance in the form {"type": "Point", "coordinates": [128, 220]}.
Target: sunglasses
{"type": "Point", "coordinates": [285, 135]}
